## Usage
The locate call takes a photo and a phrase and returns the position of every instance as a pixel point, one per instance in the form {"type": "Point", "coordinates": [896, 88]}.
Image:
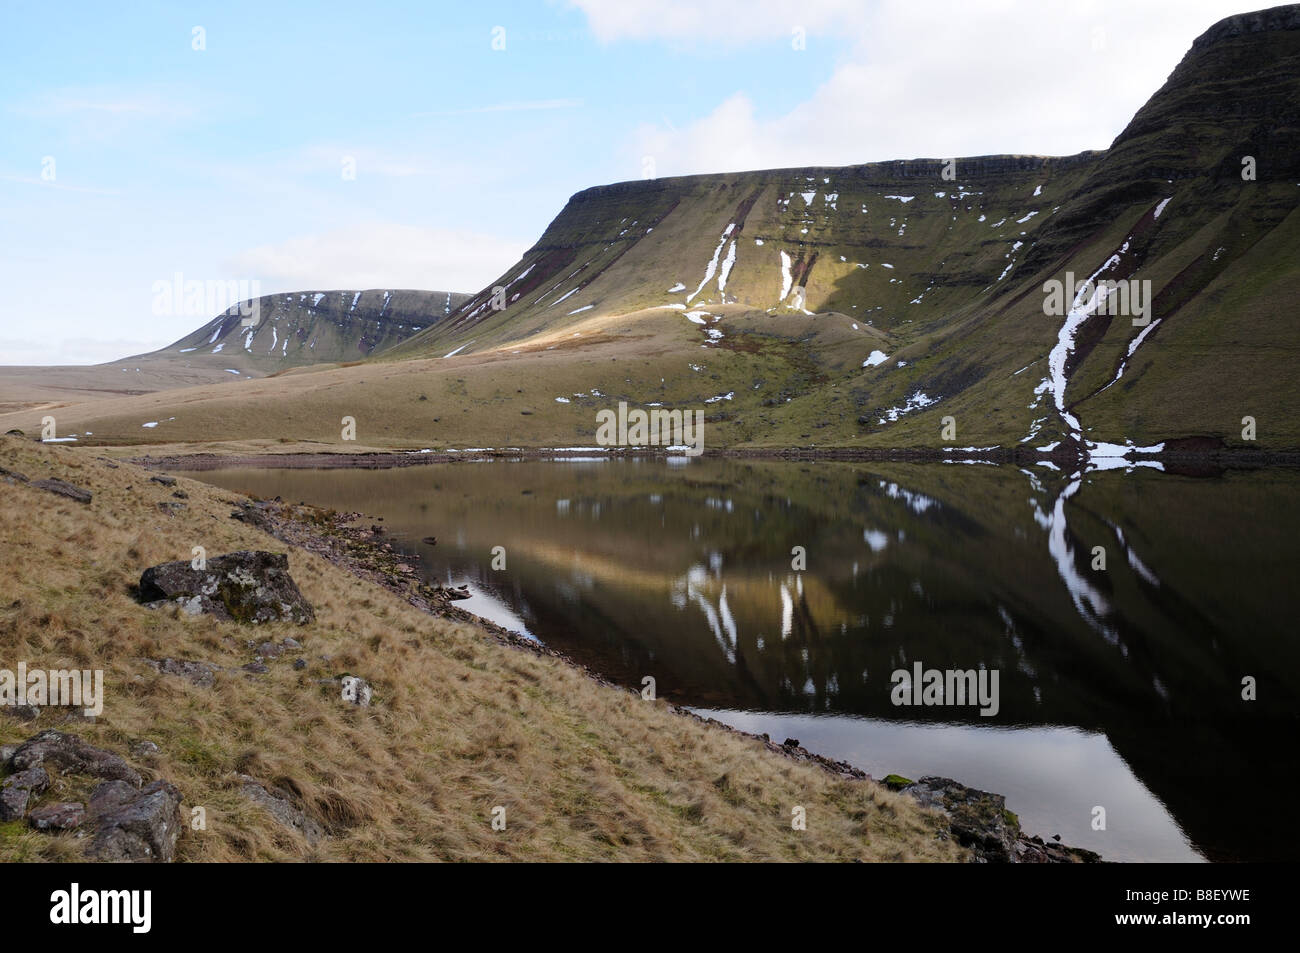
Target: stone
{"type": "Point", "coordinates": [109, 796]}
{"type": "Point", "coordinates": [270, 650]}
{"type": "Point", "coordinates": [256, 668]}
{"type": "Point", "coordinates": [22, 712]}
{"type": "Point", "coordinates": [164, 480]}
{"type": "Point", "coordinates": [279, 805]}
{"type": "Point", "coordinates": [63, 816]}
{"type": "Point", "coordinates": [356, 691]}
{"type": "Point", "coordinates": [18, 788]}
{"type": "Point", "coordinates": [6, 753]}
{"type": "Point", "coordinates": [246, 586]}
{"type": "Point", "coordinates": [199, 674]}
{"type": "Point", "coordinates": [142, 829]}
{"type": "Point", "coordinates": [142, 748]}
{"type": "Point", "coordinates": [299, 664]}
{"type": "Point", "coordinates": [980, 820]}
{"type": "Point", "coordinates": [64, 489]}
{"type": "Point", "coordinates": [291, 644]}
{"type": "Point", "coordinates": [68, 753]}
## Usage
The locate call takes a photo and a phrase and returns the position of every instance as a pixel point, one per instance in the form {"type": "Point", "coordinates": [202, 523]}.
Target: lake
{"type": "Point", "coordinates": [1120, 612]}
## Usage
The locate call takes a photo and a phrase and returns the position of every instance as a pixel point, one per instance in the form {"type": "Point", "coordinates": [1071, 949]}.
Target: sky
{"type": "Point", "coordinates": [343, 145]}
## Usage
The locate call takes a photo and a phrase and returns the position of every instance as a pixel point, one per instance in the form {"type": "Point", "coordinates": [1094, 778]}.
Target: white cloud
{"type": "Point", "coordinates": [936, 80]}
{"type": "Point", "coordinates": [381, 255]}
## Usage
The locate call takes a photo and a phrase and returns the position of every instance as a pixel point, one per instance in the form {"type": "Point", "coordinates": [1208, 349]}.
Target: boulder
{"type": "Point", "coordinates": [356, 691]}
{"type": "Point", "coordinates": [143, 828]}
{"type": "Point", "coordinates": [246, 586]}
{"type": "Point", "coordinates": [196, 673]}
{"type": "Point", "coordinates": [164, 480]}
{"type": "Point", "coordinates": [70, 754]}
{"type": "Point", "coordinates": [64, 489]}
{"type": "Point", "coordinates": [109, 796]}
{"type": "Point", "coordinates": [18, 788]}
{"type": "Point", "coordinates": [63, 816]}
{"type": "Point", "coordinates": [980, 820]}
{"type": "Point", "coordinates": [279, 806]}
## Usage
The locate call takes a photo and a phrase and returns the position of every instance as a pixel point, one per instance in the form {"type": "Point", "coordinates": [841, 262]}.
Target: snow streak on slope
{"type": "Point", "coordinates": [712, 267]}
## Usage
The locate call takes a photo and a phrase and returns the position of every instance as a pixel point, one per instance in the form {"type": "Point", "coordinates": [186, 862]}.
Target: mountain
{"type": "Point", "coordinates": [865, 305]}
{"type": "Point", "coordinates": [287, 330]}
{"type": "Point", "coordinates": [313, 327]}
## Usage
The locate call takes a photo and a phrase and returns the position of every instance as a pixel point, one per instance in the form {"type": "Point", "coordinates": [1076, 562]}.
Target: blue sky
{"type": "Point", "coordinates": [227, 163]}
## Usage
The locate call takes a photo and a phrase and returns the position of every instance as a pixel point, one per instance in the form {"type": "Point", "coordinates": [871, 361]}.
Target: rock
{"type": "Point", "coordinates": [980, 820]}
{"type": "Point", "coordinates": [356, 691]}
{"type": "Point", "coordinates": [68, 753]}
{"type": "Point", "coordinates": [64, 489]}
{"type": "Point", "coordinates": [279, 806]}
{"type": "Point", "coordinates": [109, 796]}
{"type": "Point", "coordinates": [171, 508]}
{"type": "Point", "coordinates": [430, 540]}
{"type": "Point", "coordinates": [181, 495]}
{"type": "Point", "coordinates": [245, 586]}
{"type": "Point", "coordinates": [790, 743]}
{"type": "Point", "coordinates": [144, 828]}
{"type": "Point", "coordinates": [257, 668]}
{"type": "Point", "coordinates": [270, 650]}
{"type": "Point", "coordinates": [299, 664]}
{"type": "Point", "coordinates": [291, 644]}
{"type": "Point", "coordinates": [13, 475]}
{"type": "Point", "coordinates": [196, 673]}
{"type": "Point", "coordinates": [164, 480]}
{"type": "Point", "coordinates": [16, 789]}
{"type": "Point", "coordinates": [6, 753]}
{"type": "Point", "coordinates": [142, 748]}
{"type": "Point", "coordinates": [63, 816]}
{"type": "Point", "coordinates": [254, 514]}
{"type": "Point", "coordinates": [22, 712]}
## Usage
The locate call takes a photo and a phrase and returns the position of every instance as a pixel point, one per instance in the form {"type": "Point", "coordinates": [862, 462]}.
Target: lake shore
{"type": "Point", "coordinates": [593, 771]}
{"type": "Point", "coordinates": [1189, 459]}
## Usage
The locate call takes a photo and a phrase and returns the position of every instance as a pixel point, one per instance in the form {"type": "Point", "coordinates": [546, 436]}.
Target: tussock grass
{"type": "Point", "coordinates": [460, 723]}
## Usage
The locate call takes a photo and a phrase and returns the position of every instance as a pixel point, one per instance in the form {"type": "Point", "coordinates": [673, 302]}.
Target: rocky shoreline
{"type": "Point", "coordinates": [979, 820]}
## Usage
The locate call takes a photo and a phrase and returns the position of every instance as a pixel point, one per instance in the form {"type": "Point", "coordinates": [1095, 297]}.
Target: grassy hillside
{"type": "Point", "coordinates": [460, 723]}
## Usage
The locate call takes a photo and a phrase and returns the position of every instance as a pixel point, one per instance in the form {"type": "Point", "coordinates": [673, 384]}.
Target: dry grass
{"type": "Point", "coordinates": [460, 723]}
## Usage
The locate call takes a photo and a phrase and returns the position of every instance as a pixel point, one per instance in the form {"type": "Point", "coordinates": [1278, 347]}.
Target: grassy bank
{"type": "Point", "coordinates": [460, 724]}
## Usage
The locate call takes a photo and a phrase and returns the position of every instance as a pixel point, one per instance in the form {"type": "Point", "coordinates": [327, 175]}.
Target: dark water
{"type": "Point", "coordinates": [1119, 688]}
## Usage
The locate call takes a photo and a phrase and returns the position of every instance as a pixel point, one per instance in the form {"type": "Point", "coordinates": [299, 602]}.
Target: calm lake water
{"type": "Point", "coordinates": [1119, 688]}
